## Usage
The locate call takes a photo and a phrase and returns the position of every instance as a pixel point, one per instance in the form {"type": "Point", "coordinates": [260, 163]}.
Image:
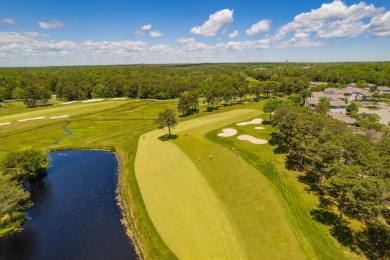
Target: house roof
{"type": "Point", "coordinates": [363, 92]}
{"type": "Point", "coordinates": [383, 88]}
{"type": "Point", "coordinates": [337, 103]}
{"type": "Point", "coordinates": [312, 100]}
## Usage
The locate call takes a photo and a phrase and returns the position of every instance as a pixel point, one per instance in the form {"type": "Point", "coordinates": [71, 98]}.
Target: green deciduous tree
{"type": "Point", "coordinates": [24, 166]}
{"type": "Point", "coordinates": [352, 109]}
{"type": "Point", "coordinates": [12, 198]}
{"type": "Point", "coordinates": [323, 106]}
{"type": "Point", "coordinates": [166, 119]}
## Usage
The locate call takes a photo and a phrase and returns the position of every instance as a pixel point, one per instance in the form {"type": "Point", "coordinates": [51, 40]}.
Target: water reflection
{"type": "Point", "coordinates": [75, 214]}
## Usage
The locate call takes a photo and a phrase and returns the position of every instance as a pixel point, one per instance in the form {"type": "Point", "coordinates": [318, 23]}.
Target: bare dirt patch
{"type": "Point", "coordinates": [259, 128]}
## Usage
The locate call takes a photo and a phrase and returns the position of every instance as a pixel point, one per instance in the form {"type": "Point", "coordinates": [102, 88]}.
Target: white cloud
{"type": "Point", "coordinates": [300, 40]}
{"type": "Point", "coordinates": [109, 46]}
{"type": "Point", "coordinates": [9, 21]}
{"type": "Point", "coordinates": [261, 26]}
{"type": "Point", "coordinates": [380, 25]}
{"type": "Point", "coordinates": [155, 34]}
{"type": "Point", "coordinates": [215, 22]}
{"type": "Point", "coordinates": [333, 20]}
{"type": "Point", "coordinates": [233, 35]}
{"type": "Point", "coordinates": [146, 27]}
{"type": "Point", "coordinates": [143, 29]}
{"type": "Point", "coordinates": [190, 44]}
{"type": "Point", "coordinates": [50, 25]}
{"type": "Point", "coordinates": [161, 48]}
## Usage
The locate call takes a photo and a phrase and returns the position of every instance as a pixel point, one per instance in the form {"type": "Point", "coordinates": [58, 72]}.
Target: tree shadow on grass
{"type": "Point", "coordinates": [343, 234]}
{"type": "Point", "coordinates": [310, 179]}
{"type": "Point", "coordinates": [190, 112]}
{"type": "Point", "coordinates": [211, 109]}
{"type": "Point", "coordinates": [324, 217]}
{"type": "Point", "coordinates": [167, 137]}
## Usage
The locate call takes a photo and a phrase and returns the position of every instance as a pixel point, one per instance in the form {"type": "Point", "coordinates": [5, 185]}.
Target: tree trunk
{"type": "Point", "coordinates": [341, 208]}
{"type": "Point", "coordinates": [169, 129]}
{"type": "Point", "coordinates": [10, 216]}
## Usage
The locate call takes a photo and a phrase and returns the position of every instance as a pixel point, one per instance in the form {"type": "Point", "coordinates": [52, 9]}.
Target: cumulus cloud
{"type": "Point", "coordinates": [161, 48]}
{"type": "Point", "coordinates": [300, 40]}
{"type": "Point", "coordinates": [118, 46]}
{"type": "Point", "coordinates": [146, 27]}
{"type": "Point", "coordinates": [260, 26]}
{"type": "Point", "coordinates": [233, 35]}
{"type": "Point", "coordinates": [9, 21]}
{"type": "Point", "coordinates": [333, 20]}
{"type": "Point", "coordinates": [215, 22]}
{"type": "Point", "coordinates": [155, 34]}
{"type": "Point", "coordinates": [190, 44]}
{"type": "Point", "coordinates": [143, 29]}
{"type": "Point", "coordinates": [51, 25]}
{"type": "Point", "coordinates": [380, 26]}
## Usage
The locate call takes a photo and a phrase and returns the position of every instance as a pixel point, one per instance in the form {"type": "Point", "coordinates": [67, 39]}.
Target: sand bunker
{"type": "Point", "coordinates": [255, 121]}
{"type": "Point", "coordinates": [119, 98]}
{"type": "Point", "coordinates": [251, 139]}
{"type": "Point", "coordinates": [259, 128]}
{"type": "Point", "coordinates": [67, 103]}
{"type": "Point", "coordinates": [56, 117]}
{"type": "Point", "coordinates": [92, 100]}
{"type": "Point", "coordinates": [227, 132]}
{"type": "Point", "coordinates": [6, 123]}
{"type": "Point", "coordinates": [30, 119]}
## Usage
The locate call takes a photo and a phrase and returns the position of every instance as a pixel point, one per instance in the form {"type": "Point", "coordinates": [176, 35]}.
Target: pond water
{"type": "Point", "coordinates": [75, 213]}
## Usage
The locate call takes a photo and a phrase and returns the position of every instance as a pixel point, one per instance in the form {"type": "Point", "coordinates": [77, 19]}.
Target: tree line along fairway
{"type": "Point", "coordinates": [211, 208]}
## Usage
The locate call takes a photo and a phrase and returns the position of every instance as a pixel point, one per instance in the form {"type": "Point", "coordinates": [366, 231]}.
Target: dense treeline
{"type": "Point", "coordinates": [348, 168]}
{"type": "Point", "coordinates": [377, 73]}
{"type": "Point", "coordinates": [213, 81]}
{"type": "Point", "coordinates": [17, 170]}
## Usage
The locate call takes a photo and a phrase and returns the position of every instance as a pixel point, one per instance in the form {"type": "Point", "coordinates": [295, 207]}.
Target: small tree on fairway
{"type": "Point", "coordinates": [166, 118]}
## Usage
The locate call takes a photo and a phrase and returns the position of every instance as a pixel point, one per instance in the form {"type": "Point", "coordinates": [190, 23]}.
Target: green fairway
{"type": "Point", "coordinates": [78, 108]}
{"type": "Point", "coordinates": [219, 208]}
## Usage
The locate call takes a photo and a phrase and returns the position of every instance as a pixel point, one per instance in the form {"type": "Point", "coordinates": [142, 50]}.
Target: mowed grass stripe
{"type": "Point", "coordinates": [181, 204]}
{"type": "Point", "coordinates": [72, 109]}
{"type": "Point", "coordinates": [216, 208]}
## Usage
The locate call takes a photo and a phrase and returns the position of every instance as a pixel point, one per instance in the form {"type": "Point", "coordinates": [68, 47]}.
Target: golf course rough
{"type": "Point", "coordinates": [219, 208]}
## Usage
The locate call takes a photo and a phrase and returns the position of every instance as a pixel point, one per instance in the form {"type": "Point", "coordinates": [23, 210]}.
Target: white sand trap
{"type": "Point", "coordinates": [259, 128]}
{"type": "Point", "coordinates": [30, 119]}
{"type": "Point", "coordinates": [67, 103]}
{"type": "Point", "coordinates": [227, 132]}
{"type": "Point", "coordinates": [6, 123]}
{"type": "Point", "coordinates": [255, 121]}
{"type": "Point", "coordinates": [119, 98]}
{"type": "Point", "coordinates": [92, 100]}
{"type": "Point", "coordinates": [251, 139]}
{"type": "Point", "coordinates": [56, 117]}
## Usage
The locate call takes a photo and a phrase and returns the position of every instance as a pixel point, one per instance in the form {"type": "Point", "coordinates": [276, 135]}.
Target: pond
{"type": "Point", "coordinates": [75, 213]}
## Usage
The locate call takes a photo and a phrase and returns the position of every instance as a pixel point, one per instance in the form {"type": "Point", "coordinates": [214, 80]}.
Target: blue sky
{"type": "Point", "coordinates": [84, 32]}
